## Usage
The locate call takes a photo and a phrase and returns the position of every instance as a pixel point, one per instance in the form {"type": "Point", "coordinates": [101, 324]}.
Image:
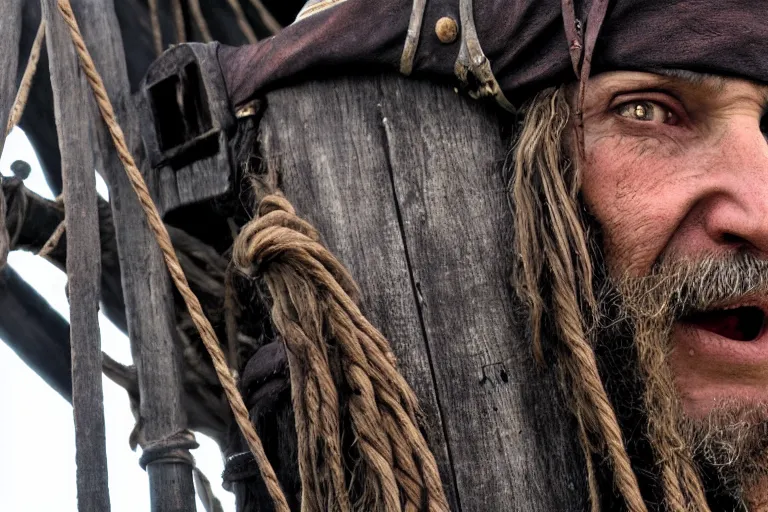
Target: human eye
{"type": "Point", "coordinates": [646, 111]}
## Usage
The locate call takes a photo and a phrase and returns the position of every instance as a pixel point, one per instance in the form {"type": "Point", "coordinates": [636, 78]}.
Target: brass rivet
{"type": "Point", "coordinates": [446, 30]}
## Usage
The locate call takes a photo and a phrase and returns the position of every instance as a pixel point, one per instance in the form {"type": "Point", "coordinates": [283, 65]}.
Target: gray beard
{"type": "Point", "coordinates": [731, 443]}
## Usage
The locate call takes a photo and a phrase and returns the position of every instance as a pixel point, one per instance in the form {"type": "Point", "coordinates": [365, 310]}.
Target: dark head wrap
{"type": "Point", "coordinates": [508, 49]}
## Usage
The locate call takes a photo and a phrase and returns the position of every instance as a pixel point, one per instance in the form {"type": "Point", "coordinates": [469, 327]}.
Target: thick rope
{"type": "Point", "coordinates": [207, 334]}
{"type": "Point", "coordinates": [323, 328]}
{"type": "Point", "coordinates": [242, 21]}
{"type": "Point", "coordinates": [202, 25]}
{"type": "Point", "coordinates": [20, 102]}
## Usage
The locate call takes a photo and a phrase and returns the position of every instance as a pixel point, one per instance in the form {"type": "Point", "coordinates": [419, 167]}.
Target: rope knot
{"type": "Point", "coordinates": [172, 449]}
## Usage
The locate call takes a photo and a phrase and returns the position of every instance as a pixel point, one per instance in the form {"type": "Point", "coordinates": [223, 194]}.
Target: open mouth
{"type": "Point", "coordinates": [743, 323]}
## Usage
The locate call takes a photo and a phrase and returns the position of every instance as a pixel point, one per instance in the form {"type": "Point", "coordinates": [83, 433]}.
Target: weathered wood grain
{"type": "Point", "coordinates": [146, 287]}
{"type": "Point", "coordinates": [10, 29]}
{"type": "Point", "coordinates": [10, 36]}
{"type": "Point", "coordinates": [326, 142]}
{"type": "Point", "coordinates": [511, 437]}
{"type": "Point", "coordinates": [83, 263]}
{"type": "Point", "coordinates": [403, 181]}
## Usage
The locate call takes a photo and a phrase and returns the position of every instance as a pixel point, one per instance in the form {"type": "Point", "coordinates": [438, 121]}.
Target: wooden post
{"type": "Point", "coordinates": [146, 286]}
{"type": "Point", "coordinates": [403, 179]}
{"type": "Point", "coordinates": [10, 36]}
{"type": "Point", "coordinates": [83, 263]}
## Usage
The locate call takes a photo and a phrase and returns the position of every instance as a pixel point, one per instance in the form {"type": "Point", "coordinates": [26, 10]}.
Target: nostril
{"type": "Point", "coordinates": [733, 240]}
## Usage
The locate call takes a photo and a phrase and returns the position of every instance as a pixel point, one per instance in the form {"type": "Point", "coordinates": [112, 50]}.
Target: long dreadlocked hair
{"type": "Point", "coordinates": [554, 277]}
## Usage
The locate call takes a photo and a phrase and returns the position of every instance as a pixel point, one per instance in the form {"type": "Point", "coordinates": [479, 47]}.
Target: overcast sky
{"type": "Point", "coordinates": [37, 440]}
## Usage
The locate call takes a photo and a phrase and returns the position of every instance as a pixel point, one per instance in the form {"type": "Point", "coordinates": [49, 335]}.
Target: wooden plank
{"type": "Point", "coordinates": [513, 440]}
{"type": "Point", "coordinates": [146, 286]}
{"type": "Point", "coordinates": [326, 141]}
{"type": "Point", "coordinates": [83, 263]}
{"type": "Point", "coordinates": [35, 332]}
{"type": "Point", "coordinates": [10, 28]}
{"type": "Point", "coordinates": [414, 203]}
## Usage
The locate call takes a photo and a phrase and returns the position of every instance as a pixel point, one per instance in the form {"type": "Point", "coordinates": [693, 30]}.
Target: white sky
{"type": "Point", "coordinates": [37, 439]}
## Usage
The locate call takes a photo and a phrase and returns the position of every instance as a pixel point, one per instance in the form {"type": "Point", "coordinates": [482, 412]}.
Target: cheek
{"type": "Point", "coordinates": [637, 197]}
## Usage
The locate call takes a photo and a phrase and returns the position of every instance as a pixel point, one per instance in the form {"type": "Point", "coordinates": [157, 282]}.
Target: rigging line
{"type": "Point", "coordinates": [178, 21]}
{"type": "Point", "coordinates": [157, 34]}
{"type": "Point", "coordinates": [202, 25]}
{"type": "Point", "coordinates": [26, 80]}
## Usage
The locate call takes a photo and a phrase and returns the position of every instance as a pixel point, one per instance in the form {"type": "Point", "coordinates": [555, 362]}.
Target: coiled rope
{"type": "Point", "coordinates": [313, 309]}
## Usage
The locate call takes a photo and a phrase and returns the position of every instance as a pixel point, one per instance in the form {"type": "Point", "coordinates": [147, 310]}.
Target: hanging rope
{"type": "Point", "coordinates": [207, 334]}
{"type": "Point", "coordinates": [20, 102]}
{"type": "Point", "coordinates": [242, 21]}
{"type": "Point", "coordinates": [313, 309]}
{"type": "Point", "coordinates": [202, 25]}
{"type": "Point", "coordinates": [157, 34]}
{"type": "Point", "coordinates": [178, 21]}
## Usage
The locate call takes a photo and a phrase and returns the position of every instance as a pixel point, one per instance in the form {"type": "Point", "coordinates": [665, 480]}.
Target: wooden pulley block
{"type": "Point", "coordinates": [187, 124]}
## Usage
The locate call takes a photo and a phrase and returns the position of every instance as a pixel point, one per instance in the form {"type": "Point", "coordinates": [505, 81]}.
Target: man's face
{"type": "Point", "coordinates": [677, 169]}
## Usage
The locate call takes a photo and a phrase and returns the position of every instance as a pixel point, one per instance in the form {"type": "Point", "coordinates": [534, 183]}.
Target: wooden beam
{"type": "Point", "coordinates": [83, 262]}
{"type": "Point", "coordinates": [40, 217]}
{"type": "Point", "coordinates": [35, 332]}
{"type": "Point", "coordinates": [146, 286]}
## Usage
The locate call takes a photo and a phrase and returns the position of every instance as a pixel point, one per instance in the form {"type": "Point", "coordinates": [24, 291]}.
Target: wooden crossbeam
{"type": "Point", "coordinates": [35, 332]}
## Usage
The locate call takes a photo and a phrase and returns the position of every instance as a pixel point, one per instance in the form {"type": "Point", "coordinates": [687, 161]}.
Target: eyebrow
{"type": "Point", "coordinates": [715, 84]}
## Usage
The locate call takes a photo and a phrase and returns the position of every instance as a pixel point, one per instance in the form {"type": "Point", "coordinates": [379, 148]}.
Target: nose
{"type": "Point", "coordinates": [734, 214]}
